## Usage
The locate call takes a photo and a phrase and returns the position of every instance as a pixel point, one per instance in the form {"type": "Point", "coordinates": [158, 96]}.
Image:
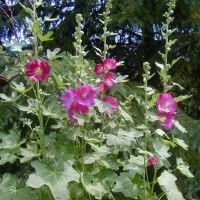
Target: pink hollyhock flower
{"type": "Point", "coordinates": [113, 102]}
{"type": "Point", "coordinates": [70, 113]}
{"type": "Point", "coordinates": [68, 98]}
{"type": "Point", "coordinates": [102, 87]}
{"type": "Point", "coordinates": [80, 108]}
{"type": "Point", "coordinates": [166, 103]}
{"type": "Point", "coordinates": [99, 69]}
{"type": "Point", "coordinates": [109, 79]}
{"type": "Point", "coordinates": [168, 121]}
{"type": "Point", "coordinates": [86, 95]}
{"type": "Point", "coordinates": [152, 161]}
{"type": "Point", "coordinates": [37, 71]}
{"type": "Point", "coordinates": [109, 64]}
{"type": "Point", "coordinates": [77, 108]}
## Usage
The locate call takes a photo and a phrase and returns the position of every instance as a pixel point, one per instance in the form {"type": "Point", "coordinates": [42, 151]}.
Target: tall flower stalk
{"type": "Point", "coordinates": [37, 71]}
{"type": "Point", "coordinates": [146, 77]}
{"type": "Point", "coordinates": [166, 32]}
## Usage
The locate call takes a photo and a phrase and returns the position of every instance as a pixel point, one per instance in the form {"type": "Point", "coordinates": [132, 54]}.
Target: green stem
{"type": "Point", "coordinates": [34, 33]}
{"type": "Point", "coordinates": [41, 121]}
{"type": "Point", "coordinates": [102, 125]}
{"type": "Point", "coordinates": [83, 148]}
{"type": "Point", "coordinates": [153, 183]}
{"type": "Point", "coordinates": [166, 58]}
{"type": "Point", "coordinates": [145, 140]}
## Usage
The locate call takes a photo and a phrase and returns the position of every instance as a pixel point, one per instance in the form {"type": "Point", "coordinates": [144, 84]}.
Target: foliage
{"type": "Point", "coordinates": [100, 150]}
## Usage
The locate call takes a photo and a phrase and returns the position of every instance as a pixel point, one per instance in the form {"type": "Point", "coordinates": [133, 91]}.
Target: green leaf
{"type": "Point", "coordinates": [180, 128]}
{"type": "Point", "coordinates": [10, 141]}
{"type": "Point", "coordinates": [89, 158]}
{"type": "Point", "coordinates": [32, 106]}
{"type": "Point", "coordinates": [159, 132]}
{"type": "Point", "coordinates": [161, 149]}
{"type": "Point", "coordinates": [52, 55]}
{"type": "Point", "coordinates": [135, 164]}
{"type": "Point", "coordinates": [182, 98]}
{"type": "Point", "coordinates": [175, 61]}
{"type": "Point", "coordinates": [183, 168]}
{"type": "Point", "coordinates": [9, 146]}
{"type": "Point", "coordinates": [164, 75]}
{"type": "Point", "coordinates": [160, 65]}
{"type": "Point", "coordinates": [153, 100]}
{"type": "Point", "coordinates": [109, 161]}
{"type": "Point", "coordinates": [29, 153]}
{"type": "Point", "coordinates": [181, 143]}
{"type": "Point", "coordinates": [11, 98]}
{"type": "Point", "coordinates": [28, 10]}
{"type": "Point", "coordinates": [76, 192]}
{"type": "Point", "coordinates": [54, 110]}
{"type": "Point", "coordinates": [58, 80]}
{"type": "Point", "coordinates": [167, 183]}
{"type": "Point", "coordinates": [12, 189]}
{"type": "Point", "coordinates": [125, 115]}
{"type": "Point", "coordinates": [99, 184]}
{"type": "Point", "coordinates": [102, 106]}
{"type": "Point", "coordinates": [49, 19]}
{"type": "Point", "coordinates": [81, 118]}
{"type": "Point", "coordinates": [176, 84]}
{"type": "Point", "coordinates": [171, 42]}
{"type": "Point", "coordinates": [7, 156]}
{"type": "Point", "coordinates": [153, 116]}
{"type": "Point", "coordinates": [125, 185]}
{"type": "Point", "coordinates": [20, 87]}
{"type": "Point", "coordinates": [56, 178]}
{"type": "Point", "coordinates": [150, 91]}
{"type": "Point", "coordinates": [121, 79]}
{"type": "Point", "coordinates": [43, 38]}
{"type": "Point", "coordinates": [123, 141]}
{"type": "Point", "coordinates": [46, 37]}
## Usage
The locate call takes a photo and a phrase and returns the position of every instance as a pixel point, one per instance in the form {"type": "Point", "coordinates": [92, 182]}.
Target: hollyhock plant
{"type": "Point", "coordinates": [109, 79]}
{"type": "Point", "coordinates": [166, 103]}
{"type": "Point", "coordinates": [86, 95]}
{"type": "Point", "coordinates": [109, 64]}
{"type": "Point", "coordinates": [168, 121]}
{"type": "Point", "coordinates": [152, 161]}
{"type": "Point", "coordinates": [113, 102]}
{"type": "Point", "coordinates": [37, 71]}
{"type": "Point", "coordinates": [99, 69]}
{"type": "Point", "coordinates": [68, 97]}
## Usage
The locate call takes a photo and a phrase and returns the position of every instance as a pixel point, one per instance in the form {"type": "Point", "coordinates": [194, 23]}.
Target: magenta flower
{"type": "Point", "coordinates": [68, 97]}
{"type": "Point", "coordinates": [85, 95]}
{"type": "Point", "coordinates": [166, 103]}
{"type": "Point", "coordinates": [37, 71]}
{"type": "Point", "coordinates": [152, 161]}
{"type": "Point", "coordinates": [109, 64]}
{"type": "Point", "coordinates": [110, 79]}
{"type": "Point", "coordinates": [113, 102]}
{"type": "Point", "coordinates": [102, 87]}
{"type": "Point", "coordinates": [70, 113]}
{"type": "Point", "coordinates": [168, 121]}
{"type": "Point", "coordinates": [99, 69]}
{"type": "Point", "coordinates": [80, 108]}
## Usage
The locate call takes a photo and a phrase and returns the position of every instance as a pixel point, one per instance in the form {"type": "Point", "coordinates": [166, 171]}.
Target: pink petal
{"type": "Point", "coordinates": [109, 64]}
{"type": "Point", "coordinates": [109, 79]}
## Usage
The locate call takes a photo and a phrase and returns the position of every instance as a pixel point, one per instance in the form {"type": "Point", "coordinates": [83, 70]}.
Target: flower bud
{"type": "Point", "coordinates": [152, 161]}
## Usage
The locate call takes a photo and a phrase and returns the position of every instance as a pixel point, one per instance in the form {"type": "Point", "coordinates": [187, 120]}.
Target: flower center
{"type": "Point", "coordinates": [38, 71]}
{"type": "Point", "coordinates": [166, 105]}
{"type": "Point", "coordinates": [83, 95]}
